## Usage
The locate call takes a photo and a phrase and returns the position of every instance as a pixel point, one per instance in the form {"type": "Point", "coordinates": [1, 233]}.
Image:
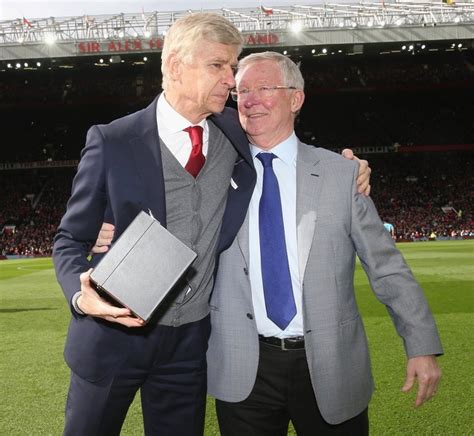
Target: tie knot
{"type": "Point", "coordinates": [195, 133]}
{"type": "Point", "coordinates": [266, 159]}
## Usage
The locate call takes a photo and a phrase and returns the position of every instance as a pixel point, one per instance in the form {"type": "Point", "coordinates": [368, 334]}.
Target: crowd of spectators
{"type": "Point", "coordinates": [423, 195]}
{"type": "Point", "coordinates": [85, 80]}
{"type": "Point", "coordinates": [385, 119]}
{"type": "Point", "coordinates": [425, 70]}
{"type": "Point", "coordinates": [31, 206]}
{"type": "Point", "coordinates": [351, 101]}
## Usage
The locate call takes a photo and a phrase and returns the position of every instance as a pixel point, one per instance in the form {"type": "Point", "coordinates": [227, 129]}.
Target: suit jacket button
{"type": "Point", "coordinates": [246, 271]}
{"type": "Point", "coordinates": [249, 316]}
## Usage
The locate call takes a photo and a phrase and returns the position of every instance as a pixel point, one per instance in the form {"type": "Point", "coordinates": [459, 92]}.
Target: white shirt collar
{"type": "Point", "coordinates": [171, 120]}
{"type": "Point", "coordinates": [285, 150]}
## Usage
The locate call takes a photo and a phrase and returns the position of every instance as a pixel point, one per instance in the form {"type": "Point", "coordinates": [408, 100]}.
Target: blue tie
{"type": "Point", "coordinates": [279, 299]}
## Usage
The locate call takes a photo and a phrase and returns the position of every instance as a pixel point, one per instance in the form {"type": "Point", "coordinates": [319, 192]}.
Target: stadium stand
{"type": "Point", "coordinates": [404, 105]}
{"type": "Point", "coordinates": [31, 206]}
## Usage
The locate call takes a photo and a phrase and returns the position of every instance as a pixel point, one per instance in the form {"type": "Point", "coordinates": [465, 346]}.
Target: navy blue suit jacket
{"type": "Point", "coordinates": [120, 174]}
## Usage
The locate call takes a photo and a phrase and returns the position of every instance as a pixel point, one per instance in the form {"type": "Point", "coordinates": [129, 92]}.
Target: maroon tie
{"type": "Point", "coordinates": [196, 158]}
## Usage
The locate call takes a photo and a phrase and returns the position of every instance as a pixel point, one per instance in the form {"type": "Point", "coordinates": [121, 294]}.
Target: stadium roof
{"type": "Point", "coordinates": [298, 25]}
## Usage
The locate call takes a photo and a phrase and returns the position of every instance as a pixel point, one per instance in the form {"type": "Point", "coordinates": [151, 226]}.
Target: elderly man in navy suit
{"type": "Point", "coordinates": [174, 158]}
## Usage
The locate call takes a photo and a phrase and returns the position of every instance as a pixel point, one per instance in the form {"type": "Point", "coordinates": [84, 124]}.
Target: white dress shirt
{"type": "Point", "coordinates": [171, 127]}
{"type": "Point", "coordinates": [284, 167]}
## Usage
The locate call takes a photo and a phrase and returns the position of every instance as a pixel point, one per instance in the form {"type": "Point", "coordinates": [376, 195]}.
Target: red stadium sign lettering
{"type": "Point", "coordinates": [132, 45]}
{"type": "Point", "coordinates": [128, 45]}
{"type": "Point", "coordinates": [89, 47]}
{"type": "Point", "coordinates": [262, 39]}
{"type": "Point", "coordinates": [155, 44]}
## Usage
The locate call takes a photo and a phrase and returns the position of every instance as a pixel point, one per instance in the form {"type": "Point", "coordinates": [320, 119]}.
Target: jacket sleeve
{"type": "Point", "coordinates": [391, 279]}
{"type": "Point", "coordinates": [81, 223]}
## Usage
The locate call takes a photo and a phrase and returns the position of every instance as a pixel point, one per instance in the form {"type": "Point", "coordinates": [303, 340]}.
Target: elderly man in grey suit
{"type": "Point", "coordinates": [287, 340]}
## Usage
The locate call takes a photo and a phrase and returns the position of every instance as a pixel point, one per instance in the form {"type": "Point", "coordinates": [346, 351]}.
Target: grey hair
{"type": "Point", "coordinates": [290, 71]}
{"type": "Point", "coordinates": [185, 35]}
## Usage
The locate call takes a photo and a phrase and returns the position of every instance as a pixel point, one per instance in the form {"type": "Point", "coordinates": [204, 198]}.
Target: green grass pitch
{"type": "Point", "coordinates": [34, 319]}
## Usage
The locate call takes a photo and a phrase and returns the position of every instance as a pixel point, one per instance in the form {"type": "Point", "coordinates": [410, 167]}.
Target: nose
{"type": "Point", "coordinates": [228, 77]}
{"type": "Point", "coordinates": [252, 98]}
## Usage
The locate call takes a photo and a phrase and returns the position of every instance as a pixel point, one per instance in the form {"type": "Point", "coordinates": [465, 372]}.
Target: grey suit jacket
{"type": "Point", "coordinates": [334, 223]}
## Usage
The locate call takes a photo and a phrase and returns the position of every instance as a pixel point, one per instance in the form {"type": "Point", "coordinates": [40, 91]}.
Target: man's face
{"type": "Point", "coordinates": [267, 120]}
{"type": "Point", "coordinates": [201, 83]}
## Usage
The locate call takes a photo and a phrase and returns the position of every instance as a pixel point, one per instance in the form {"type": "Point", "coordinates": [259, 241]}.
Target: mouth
{"type": "Point", "coordinates": [257, 115]}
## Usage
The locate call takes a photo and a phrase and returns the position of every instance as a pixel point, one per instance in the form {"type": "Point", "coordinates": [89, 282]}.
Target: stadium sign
{"type": "Point", "coordinates": [119, 46]}
{"type": "Point", "coordinates": [139, 45]}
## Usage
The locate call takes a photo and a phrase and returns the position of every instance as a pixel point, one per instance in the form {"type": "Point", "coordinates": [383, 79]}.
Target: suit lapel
{"type": "Point", "coordinates": [145, 146]}
{"type": "Point", "coordinates": [308, 187]}
{"type": "Point", "coordinates": [228, 123]}
{"type": "Point", "coordinates": [243, 176]}
{"type": "Point", "coordinates": [243, 240]}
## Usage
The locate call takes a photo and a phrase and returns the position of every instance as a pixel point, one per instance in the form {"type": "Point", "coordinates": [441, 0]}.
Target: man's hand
{"type": "Point", "coordinates": [104, 239]}
{"type": "Point", "coordinates": [363, 179]}
{"type": "Point", "coordinates": [91, 303]}
{"type": "Point", "coordinates": [428, 373]}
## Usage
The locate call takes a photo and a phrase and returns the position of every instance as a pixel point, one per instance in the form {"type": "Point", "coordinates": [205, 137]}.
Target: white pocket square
{"type": "Point", "coordinates": [233, 184]}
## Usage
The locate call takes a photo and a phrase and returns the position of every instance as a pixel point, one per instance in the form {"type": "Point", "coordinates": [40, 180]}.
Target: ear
{"type": "Point", "coordinates": [297, 100]}
{"type": "Point", "coordinates": [174, 66]}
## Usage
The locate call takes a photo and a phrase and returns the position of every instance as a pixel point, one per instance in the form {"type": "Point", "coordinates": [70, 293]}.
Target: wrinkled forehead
{"type": "Point", "coordinates": [258, 72]}
{"type": "Point", "coordinates": [206, 49]}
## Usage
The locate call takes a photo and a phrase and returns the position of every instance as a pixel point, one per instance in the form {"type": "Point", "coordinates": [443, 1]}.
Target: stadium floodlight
{"type": "Point", "coordinates": [101, 61]}
{"type": "Point", "coordinates": [18, 65]}
{"type": "Point", "coordinates": [423, 46]}
{"type": "Point", "coordinates": [9, 65]}
{"type": "Point", "coordinates": [411, 47]}
{"type": "Point", "coordinates": [296, 26]}
{"type": "Point", "coordinates": [459, 45]}
{"type": "Point", "coordinates": [285, 52]}
{"type": "Point", "coordinates": [404, 47]}
{"type": "Point", "coordinates": [145, 58]}
{"type": "Point", "coordinates": [324, 50]}
{"type": "Point", "coordinates": [313, 51]}
{"type": "Point", "coordinates": [38, 64]}
{"type": "Point", "coordinates": [50, 38]}
{"type": "Point", "coordinates": [25, 64]}
{"type": "Point", "coordinates": [111, 60]}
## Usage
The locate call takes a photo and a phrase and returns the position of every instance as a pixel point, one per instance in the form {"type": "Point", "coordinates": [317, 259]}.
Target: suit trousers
{"type": "Point", "coordinates": [168, 366]}
{"type": "Point", "coordinates": [282, 392]}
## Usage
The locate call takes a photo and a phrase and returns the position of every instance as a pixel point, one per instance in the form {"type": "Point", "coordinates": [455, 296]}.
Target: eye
{"type": "Point", "coordinates": [243, 91]}
{"type": "Point", "coordinates": [216, 65]}
{"type": "Point", "coordinates": [264, 88]}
